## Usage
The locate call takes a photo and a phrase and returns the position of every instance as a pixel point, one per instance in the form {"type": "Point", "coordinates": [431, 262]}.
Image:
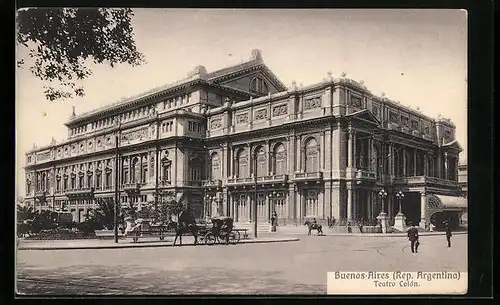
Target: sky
{"type": "Point", "coordinates": [417, 57]}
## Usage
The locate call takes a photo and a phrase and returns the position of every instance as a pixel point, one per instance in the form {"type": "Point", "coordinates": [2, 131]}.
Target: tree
{"type": "Point", "coordinates": [25, 213]}
{"type": "Point", "coordinates": [62, 42]}
{"type": "Point", "coordinates": [104, 214]}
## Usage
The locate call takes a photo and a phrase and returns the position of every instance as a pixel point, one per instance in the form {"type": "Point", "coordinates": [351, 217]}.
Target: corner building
{"type": "Point", "coordinates": [238, 142]}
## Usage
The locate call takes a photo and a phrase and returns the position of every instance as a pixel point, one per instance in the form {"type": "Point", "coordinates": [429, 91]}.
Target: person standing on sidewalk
{"type": "Point", "coordinates": [413, 237]}
{"type": "Point", "coordinates": [448, 234]}
{"type": "Point", "coordinates": [349, 229]}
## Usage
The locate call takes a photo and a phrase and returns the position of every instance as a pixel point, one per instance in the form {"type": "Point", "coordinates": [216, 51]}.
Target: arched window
{"type": "Point", "coordinates": [215, 167]}
{"type": "Point", "coordinates": [311, 203]}
{"type": "Point", "coordinates": [195, 173]}
{"type": "Point", "coordinates": [134, 171]}
{"type": "Point", "coordinates": [165, 170]}
{"type": "Point", "coordinates": [257, 84]}
{"type": "Point", "coordinates": [279, 159]}
{"type": "Point", "coordinates": [311, 157]}
{"type": "Point", "coordinates": [260, 157]}
{"type": "Point", "coordinates": [243, 164]}
{"type": "Point", "coordinates": [44, 181]}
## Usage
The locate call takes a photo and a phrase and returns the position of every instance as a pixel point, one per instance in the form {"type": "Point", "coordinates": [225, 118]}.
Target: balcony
{"type": "Point", "coordinates": [212, 183]}
{"type": "Point", "coordinates": [41, 194]}
{"type": "Point", "coordinates": [241, 181]}
{"type": "Point", "coordinates": [425, 180]}
{"type": "Point", "coordinates": [193, 183]}
{"type": "Point", "coordinates": [392, 126]}
{"type": "Point", "coordinates": [131, 187]}
{"type": "Point", "coordinates": [81, 192]}
{"type": "Point", "coordinates": [272, 179]}
{"type": "Point", "coordinates": [363, 174]}
{"type": "Point", "coordinates": [305, 177]}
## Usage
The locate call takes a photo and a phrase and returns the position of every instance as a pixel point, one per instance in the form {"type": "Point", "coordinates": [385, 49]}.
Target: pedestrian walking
{"type": "Point", "coordinates": [448, 235]}
{"type": "Point", "coordinates": [360, 225]}
{"type": "Point", "coordinates": [349, 229]}
{"type": "Point", "coordinates": [413, 237]}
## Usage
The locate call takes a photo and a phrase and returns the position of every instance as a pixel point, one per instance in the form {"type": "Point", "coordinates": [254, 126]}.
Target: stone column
{"type": "Point", "coordinates": [371, 164]}
{"type": "Point", "coordinates": [426, 161]}
{"type": "Point", "coordinates": [392, 160]}
{"type": "Point", "coordinates": [270, 160]}
{"type": "Point", "coordinates": [405, 170]}
{"type": "Point", "coordinates": [291, 203]}
{"type": "Point", "coordinates": [230, 170]}
{"type": "Point", "coordinates": [328, 153]}
{"type": "Point", "coordinates": [369, 205]}
{"type": "Point", "coordinates": [350, 154]}
{"type": "Point", "coordinates": [321, 152]}
{"type": "Point", "coordinates": [446, 166]}
{"type": "Point", "coordinates": [414, 162]}
{"type": "Point", "coordinates": [423, 210]}
{"type": "Point", "coordinates": [250, 207]}
{"type": "Point", "coordinates": [291, 157]}
{"type": "Point", "coordinates": [349, 203]}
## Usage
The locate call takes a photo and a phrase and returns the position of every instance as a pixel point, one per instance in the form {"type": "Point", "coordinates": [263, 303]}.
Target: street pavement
{"type": "Point", "coordinates": [268, 268]}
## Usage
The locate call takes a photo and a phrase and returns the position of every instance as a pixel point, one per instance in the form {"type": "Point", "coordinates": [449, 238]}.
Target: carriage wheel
{"type": "Point", "coordinates": [234, 237]}
{"type": "Point", "coordinates": [210, 239]}
{"type": "Point", "coordinates": [222, 238]}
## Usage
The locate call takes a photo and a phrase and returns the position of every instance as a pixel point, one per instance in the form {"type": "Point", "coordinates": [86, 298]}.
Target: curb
{"type": "Point", "coordinates": [158, 245]}
{"type": "Point", "coordinates": [373, 234]}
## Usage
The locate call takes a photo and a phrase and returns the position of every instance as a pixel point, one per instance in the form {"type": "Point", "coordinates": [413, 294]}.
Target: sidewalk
{"type": "Point", "coordinates": [302, 231]}
{"type": "Point", "coordinates": [126, 243]}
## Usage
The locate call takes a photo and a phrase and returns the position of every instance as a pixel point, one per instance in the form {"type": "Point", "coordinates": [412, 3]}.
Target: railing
{"type": "Point", "coordinates": [247, 180]}
{"type": "Point", "coordinates": [308, 176]}
{"type": "Point", "coordinates": [80, 191]}
{"type": "Point", "coordinates": [131, 186]}
{"type": "Point", "coordinates": [212, 183]}
{"type": "Point", "coordinates": [272, 179]}
{"type": "Point", "coordinates": [193, 183]}
{"type": "Point", "coordinates": [425, 180]}
{"type": "Point", "coordinates": [365, 174]}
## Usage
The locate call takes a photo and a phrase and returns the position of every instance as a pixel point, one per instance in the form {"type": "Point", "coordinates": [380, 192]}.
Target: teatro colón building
{"type": "Point", "coordinates": [238, 142]}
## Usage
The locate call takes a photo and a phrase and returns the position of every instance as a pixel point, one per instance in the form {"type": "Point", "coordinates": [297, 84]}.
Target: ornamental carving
{"type": "Point", "coordinates": [375, 110]}
{"type": "Point", "coordinates": [260, 114]}
{"type": "Point", "coordinates": [280, 110]}
{"type": "Point", "coordinates": [281, 156]}
{"type": "Point", "coordinates": [447, 135]}
{"type": "Point", "coordinates": [414, 124]}
{"type": "Point", "coordinates": [43, 156]}
{"type": "Point", "coordinates": [426, 129]}
{"type": "Point", "coordinates": [404, 121]}
{"type": "Point", "coordinates": [133, 135]}
{"type": "Point", "coordinates": [356, 101]}
{"type": "Point", "coordinates": [216, 123]}
{"type": "Point", "coordinates": [312, 103]}
{"type": "Point", "coordinates": [242, 118]}
{"type": "Point", "coordinates": [393, 117]}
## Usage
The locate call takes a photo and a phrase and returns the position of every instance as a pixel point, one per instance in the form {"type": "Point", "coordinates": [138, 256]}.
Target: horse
{"type": "Point", "coordinates": [313, 226]}
{"type": "Point", "coordinates": [186, 224]}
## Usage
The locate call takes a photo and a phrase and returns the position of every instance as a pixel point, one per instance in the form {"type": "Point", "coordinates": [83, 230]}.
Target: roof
{"type": "Point", "coordinates": [199, 74]}
{"type": "Point", "coordinates": [452, 202]}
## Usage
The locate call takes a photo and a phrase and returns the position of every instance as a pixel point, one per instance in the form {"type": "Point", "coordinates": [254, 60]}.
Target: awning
{"type": "Point", "coordinates": [452, 202]}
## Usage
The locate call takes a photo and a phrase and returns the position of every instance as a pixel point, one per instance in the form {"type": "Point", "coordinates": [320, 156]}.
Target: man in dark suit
{"type": "Point", "coordinates": [448, 234]}
{"type": "Point", "coordinates": [413, 237]}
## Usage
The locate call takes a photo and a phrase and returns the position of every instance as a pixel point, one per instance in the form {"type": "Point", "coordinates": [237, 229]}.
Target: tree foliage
{"type": "Point", "coordinates": [25, 213]}
{"type": "Point", "coordinates": [62, 42]}
{"type": "Point", "coordinates": [104, 214]}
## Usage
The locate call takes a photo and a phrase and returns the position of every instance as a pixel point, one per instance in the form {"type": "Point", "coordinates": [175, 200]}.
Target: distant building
{"type": "Point", "coordinates": [462, 178]}
{"type": "Point", "coordinates": [238, 142]}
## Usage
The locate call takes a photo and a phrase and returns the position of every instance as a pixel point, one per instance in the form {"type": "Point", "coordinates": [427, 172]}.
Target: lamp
{"type": "Point", "coordinates": [400, 196]}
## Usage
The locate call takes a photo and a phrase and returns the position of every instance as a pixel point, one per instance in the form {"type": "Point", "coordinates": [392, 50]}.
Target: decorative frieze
{"type": "Point", "coordinates": [280, 110]}
{"type": "Point", "coordinates": [43, 156]}
{"type": "Point", "coordinates": [393, 117]}
{"type": "Point", "coordinates": [242, 118]}
{"type": "Point", "coordinates": [427, 130]}
{"type": "Point", "coordinates": [260, 114]}
{"type": "Point", "coordinates": [356, 101]}
{"type": "Point", "coordinates": [216, 123]}
{"type": "Point", "coordinates": [414, 124]}
{"type": "Point", "coordinates": [405, 121]}
{"type": "Point", "coordinates": [133, 135]}
{"type": "Point", "coordinates": [312, 103]}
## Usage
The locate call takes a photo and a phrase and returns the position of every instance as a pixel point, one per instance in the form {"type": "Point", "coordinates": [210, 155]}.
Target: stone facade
{"type": "Point", "coordinates": [237, 142]}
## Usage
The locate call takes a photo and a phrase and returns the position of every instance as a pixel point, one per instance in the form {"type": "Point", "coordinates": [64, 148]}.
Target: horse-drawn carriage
{"type": "Point", "coordinates": [221, 231]}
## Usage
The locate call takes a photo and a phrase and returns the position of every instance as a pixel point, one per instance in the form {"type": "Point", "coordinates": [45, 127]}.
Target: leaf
{"type": "Point", "coordinates": [61, 41]}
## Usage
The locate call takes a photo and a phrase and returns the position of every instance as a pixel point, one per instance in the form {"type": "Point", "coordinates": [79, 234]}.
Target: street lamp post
{"type": "Point", "coordinates": [400, 219]}
{"type": "Point", "coordinates": [382, 194]}
{"type": "Point", "coordinates": [382, 217]}
{"type": "Point", "coordinates": [400, 196]}
{"type": "Point", "coordinates": [117, 192]}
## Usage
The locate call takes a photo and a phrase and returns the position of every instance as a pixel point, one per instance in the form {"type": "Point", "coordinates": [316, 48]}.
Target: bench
{"type": "Point", "coordinates": [243, 233]}
{"type": "Point", "coordinates": [149, 231]}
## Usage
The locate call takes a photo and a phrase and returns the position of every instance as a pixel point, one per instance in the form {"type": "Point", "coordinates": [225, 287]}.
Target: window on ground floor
{"type": "Point", "coordinates": [311, 203]}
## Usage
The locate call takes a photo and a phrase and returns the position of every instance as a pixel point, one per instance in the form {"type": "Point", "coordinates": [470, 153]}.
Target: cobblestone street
{"type": "Point", "coordinates": [275, 268]}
